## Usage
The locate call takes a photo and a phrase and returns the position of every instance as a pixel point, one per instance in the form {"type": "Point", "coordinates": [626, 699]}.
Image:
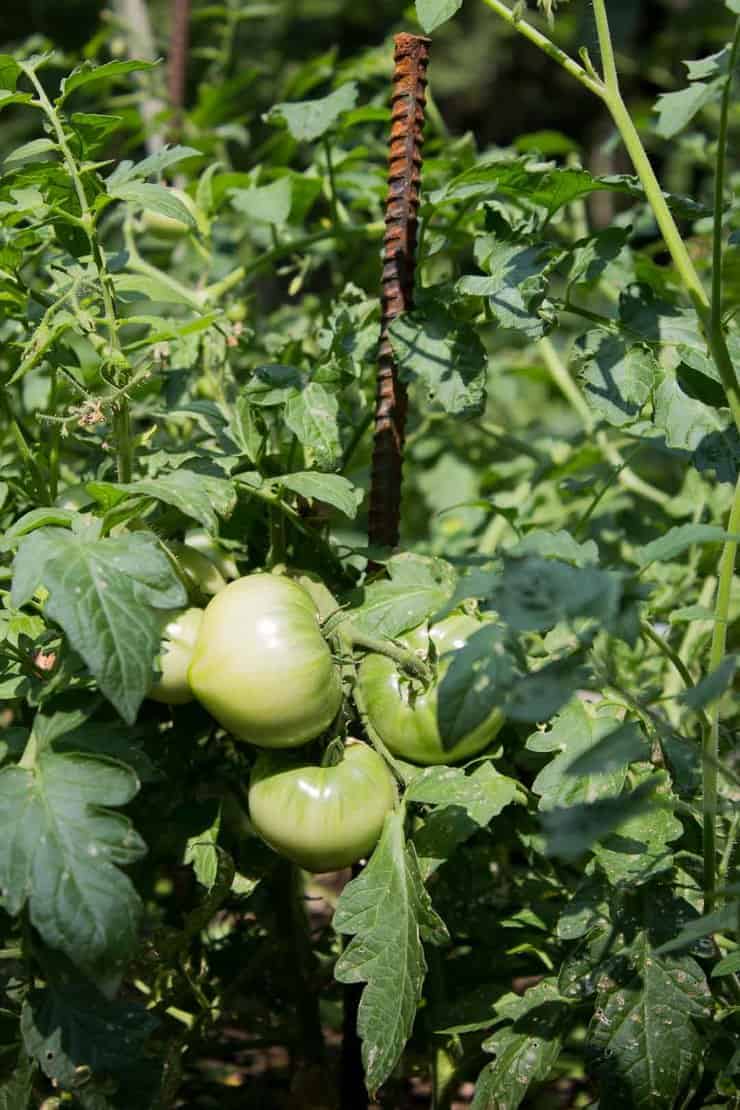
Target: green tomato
{"type": "Point", "coordinates": [202, 577]}
{"type": "Point", "coordinates": [178, 640]}
{"type": "Point", "coordinates": [322, 818]}
{"type": "Point", "coordinates": [261, 666]}
{"type": "Point", "coordinates": [403, 715]}
{"type": "Point", "coordinates": [199, 540]}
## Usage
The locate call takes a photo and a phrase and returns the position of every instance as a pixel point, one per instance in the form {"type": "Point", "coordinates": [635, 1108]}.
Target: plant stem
{"type": "Point", "coordinates": [405, 659]}
{"type": "Point", "coordinates": [121, 423]}
{"type": "Point", "coordinates": [570, 65]}
{"type": "Point", "coordinates": [725, 576]}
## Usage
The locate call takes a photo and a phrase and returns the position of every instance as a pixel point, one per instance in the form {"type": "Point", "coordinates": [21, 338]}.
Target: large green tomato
{"type": "Point", "coordinates": [404, 716]}
{"type": "Point", "coordinates": [178, 641]}
{"type": "Point", "coordinates": [322, 818]}
{"type": "Point", "coordinates": [261, 666]}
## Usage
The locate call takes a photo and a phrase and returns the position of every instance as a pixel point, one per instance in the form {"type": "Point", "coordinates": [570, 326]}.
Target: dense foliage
{"type": "Point", "coordinates": [189, 323]}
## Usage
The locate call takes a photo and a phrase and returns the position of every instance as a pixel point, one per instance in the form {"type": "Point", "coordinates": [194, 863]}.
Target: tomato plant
{"type": "Point", "coordinates": [404, 712]}
{"type": "Point", "coordinates": [261, 666]}
{"type": "Point", "coordinates": [322, 818]}
{"type": "Point", "coordinates": [443, 437]}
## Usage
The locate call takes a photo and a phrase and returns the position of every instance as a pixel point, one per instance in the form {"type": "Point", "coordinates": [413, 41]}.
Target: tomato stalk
{"type": "Point", "coordinates": [121, 419]}
{"type": "Point", "coordinates": [407, 660]}
{"type": "Point", "coordinates": [711, 736]}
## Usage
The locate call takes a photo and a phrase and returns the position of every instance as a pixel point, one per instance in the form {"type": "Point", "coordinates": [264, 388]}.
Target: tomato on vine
{"type": "Point", "coordinates": [178, 641]}
{"type": "Point", "coordinates": [404, 714]}
{"type": "Point", "coordinates": [261, 666]}
{"type": "Point", "coordinates": [322, 818]}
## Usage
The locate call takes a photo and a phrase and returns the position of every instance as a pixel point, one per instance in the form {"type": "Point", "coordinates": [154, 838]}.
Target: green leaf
{"type": "Point", "coordinates": [536, 594]}
{"type": "Point", "coordinates": [639, 849]}
{"type": "Point", "coordinates": [526, 1049]}
{"type": "Point", "coordinates": [556, 545]}
{"type": "Point", "coordinates": [69, 1026]}
{"type": "Point", "coordinates": [269, 204]}
{"type": "Point", "coordinates": [643, 1038]}
{"type": "Point", "coordinates": [590, 257]}
{"type": "Point", "coordinates": [312, 416]}
{"type": "Point", "coordinates": [445, 356]}
{"type": "Point", "coordinates": [677, 109]}
{"type": "Point", "coordinates": [28, 152]}
{"type": "Point", "coordinates": [61, 851]}
{"type": "Point", "coordinates": [433, 13]}
{"type": "Point", "coordinates": [386, 910]}
{"type": "Point", "coordinates": [613, 752]}
{"type": "Point", "coordinates": [38, 518]}
{"type": "Point", "coordinates": [477, 680]}
{"type": "Point", "coordinates": [713, 686]}
{"type": "Point", "coordinates": [10, 71]}
{"type": "Point", "coordinates": [310, 119]}
{"type": "Point", "coordinates": [107, 596]}
{"type": "Point", "coordinates": [574, 735]}
{"type": "Point", "coordinates": [618, 378]}
{"type": "Point", "coordinates": [199, 496]}
{"type": "Point", "coordinates": [463, 804]}
{"type": "Point", "coordinates": [700, 927]}
{"type": "Point", "coordinates": [417, 587]}
{"type": "Point", "coordinates": [153, 165]}
{"type": "Point", "coordinates": [333, 489]}
{"type": "Point", "coordinates": [88, 72]}
{"type": "Point", "coordinates": [93, 129]}
{"type": "Point", "coordinates": [201, 849]}
{"type": "Point", "coordinates": [516, 286]}
{"type": "Point", "coordinates": [706, 432]}
{"type": "Point", "coordinates": [154, 198]}
{"type": "Point", "coordinates": [677, 540]}
{"type": "Point", "coordinates": [571, 832]}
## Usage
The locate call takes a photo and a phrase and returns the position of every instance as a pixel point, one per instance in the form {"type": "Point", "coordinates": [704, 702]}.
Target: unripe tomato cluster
{"type": "Point", "coordinates": [257, 660]}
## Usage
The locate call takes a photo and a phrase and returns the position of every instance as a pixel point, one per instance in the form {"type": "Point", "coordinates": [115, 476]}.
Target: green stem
{"type": "Point", "coordinates": [570, 65]}
{"type": "Point", "coordinates": [122, 424]}
{"type": "Point", "coordinates": [725, 576]}
{"type": "Point", "coordinates": [405, 659]}
{"type": "Point", "coordinates": [293, 924]}
{"type": "Point", "coordinates": [670, 654]}
{"type": "Point", "coordinates": [332, 189]}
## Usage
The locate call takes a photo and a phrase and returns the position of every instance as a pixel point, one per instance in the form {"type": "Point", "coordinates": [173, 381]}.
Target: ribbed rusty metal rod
{"type": "Point", "coordinates": [399, 258]}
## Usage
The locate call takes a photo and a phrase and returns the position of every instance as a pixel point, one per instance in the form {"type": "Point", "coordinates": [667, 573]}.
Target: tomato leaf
{"type": "Point", "coordinates": [68, 1025]}
{"type": "Point", "coordinates": [418, 587]}
{"type": "Point", "coordinates": [433, 13]}
{"type": "Point", "coordinates": [199, 496]}
{"type": "Point", "coordinates": [331, 488]}
{"type": "Point", "coordinates": [478, 679]}
{"type": "Point", "coordinates": [463, 804]}
{"type": "Point", "coordinates": [310, 119]}
{"type": "Point", "coordinates": [444, 355]}
{"type": "Point", "coordinates": [386, 910]}
{"type": "Point", "coordinates": [88, 72]}
{"type": "Point", "coordinates": [526, 1048]}
{"type": "Point", "coordinates": [106, 595]}
{"type": "Point", "coordinates": [312, 416]}
{"type": "Point", "coordinates": [643, 1037]}
{"type": "Point", "coordinates": [61, 849]}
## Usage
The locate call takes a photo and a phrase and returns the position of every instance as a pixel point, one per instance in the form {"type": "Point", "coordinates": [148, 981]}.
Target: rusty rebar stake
{"type": "Point", "coordinates": [399, 259]}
